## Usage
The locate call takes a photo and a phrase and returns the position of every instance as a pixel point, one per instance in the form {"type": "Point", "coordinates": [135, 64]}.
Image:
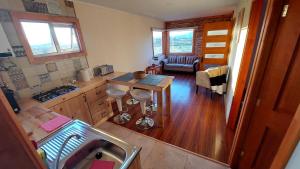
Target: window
{"type": "Point", "coordinates": [50, 38]}
{"type": "Point", "coordinates": [157, 43]}
{"type": "Point", "coordinates": [181, 41]}
{"type": "Point", "coordinates": [39, 38]}
{"type": "Point", "coordinates": [47, 37]}
{"type": "Point", "coordinates": [66, 37]}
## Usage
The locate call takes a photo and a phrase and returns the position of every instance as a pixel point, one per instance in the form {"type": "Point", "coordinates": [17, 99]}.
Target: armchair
{"type": "Point", "coordinates": [214, 79]}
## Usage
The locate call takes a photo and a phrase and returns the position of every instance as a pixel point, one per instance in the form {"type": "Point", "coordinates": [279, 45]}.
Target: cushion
{"type": "Point", "coordinates": [188, 66]}
{"type": "Point", "coordinates": [174, 65]}
{"type": "Point", "coordinates": [181, 59]}
{"type": "Point", "coordinates": [172, 59]}
{"type": "Point", "coordinates": [190, 59]}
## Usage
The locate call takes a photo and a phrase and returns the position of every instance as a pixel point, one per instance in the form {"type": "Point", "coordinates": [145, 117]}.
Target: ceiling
{"type": "Point", "coordinates": [168, 10]}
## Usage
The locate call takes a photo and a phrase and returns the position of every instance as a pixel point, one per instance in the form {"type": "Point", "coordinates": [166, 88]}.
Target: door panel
{"type": "Point", "coordinates": [61, 109]}
{"type": "Point", "coordinates": [216, 33]}
{"type": "Point", "coordinates": [78, 108]}
{"type": "Point", "coordinates": [279, 95]}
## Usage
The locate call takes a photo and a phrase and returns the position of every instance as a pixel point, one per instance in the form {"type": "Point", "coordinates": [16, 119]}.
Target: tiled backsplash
{"type": "Point", "coordinates": [29, 79]}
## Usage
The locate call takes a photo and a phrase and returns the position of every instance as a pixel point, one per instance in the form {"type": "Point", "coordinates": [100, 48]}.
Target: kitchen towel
{"type": "Point", "coordinates": [55, 123]}
{"type": "Point", "coordinates": [101, 164]}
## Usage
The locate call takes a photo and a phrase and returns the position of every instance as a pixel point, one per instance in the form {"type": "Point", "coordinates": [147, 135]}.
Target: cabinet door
{"type": "Point", "coordinates": [61, 109]}
{"type": "Point", "coordinates": [78, 108]}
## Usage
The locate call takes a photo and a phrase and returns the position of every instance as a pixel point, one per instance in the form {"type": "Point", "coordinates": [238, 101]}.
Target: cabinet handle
{"type": "Point", "coordinates": [100, 103]}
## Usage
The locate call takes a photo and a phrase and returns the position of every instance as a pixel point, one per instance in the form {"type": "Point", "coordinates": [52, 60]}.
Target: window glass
{"type": "Point", "coordinates": [217, 32]}
{"type": "Point", "coordinates": [214, 56]}
{"type": "Point", "coordinates": [39, 37]}
{"type": "Point", "coordinates": [181, 41]}
{"type": "Point", "coordinates": [66, 38]}
{"type": "Point", "coordinates": [157, 42]}
{"type": "Point", "coordinates": [215, 44]}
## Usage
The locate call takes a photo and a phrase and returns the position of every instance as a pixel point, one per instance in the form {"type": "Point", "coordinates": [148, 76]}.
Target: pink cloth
{"type": "Point", "coordinates": [55, 123]}
{"type": "Point", "coordinates": [101, 164]}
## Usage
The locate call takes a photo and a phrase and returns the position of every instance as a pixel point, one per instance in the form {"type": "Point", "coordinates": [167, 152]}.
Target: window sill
{"type": "Point", "coordinates": [182, 54]}
{"type": "Point", "coordinates": [43, 59]}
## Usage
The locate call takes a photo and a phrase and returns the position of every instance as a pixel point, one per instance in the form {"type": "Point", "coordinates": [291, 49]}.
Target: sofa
{"type": "Point", "coordinates": [181, 63]}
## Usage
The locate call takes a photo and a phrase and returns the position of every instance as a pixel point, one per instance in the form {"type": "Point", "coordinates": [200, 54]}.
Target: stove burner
{"type": "Point", "coordinates": [53, 93]}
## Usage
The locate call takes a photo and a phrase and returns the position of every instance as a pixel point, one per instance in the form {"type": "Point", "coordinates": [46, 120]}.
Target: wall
{"type": "Point", "coordinates": [236, 52]}
{"type": "Point", "coordinates": [116, 37]}
{"type": "Point", "coordinates": [294, 161]}
{"type": "Point", "coordinates": [25, 78]}
{"type": "Point", "coordinates": [198, 23]}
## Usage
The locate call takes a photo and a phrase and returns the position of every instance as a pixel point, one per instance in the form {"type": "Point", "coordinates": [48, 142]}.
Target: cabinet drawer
{"type": "Point", "coordinates": [96, 94]}
{"type": "Point", "coordinates": [61, 109]}
{"type": "Point", "coordinates": [101, 91]}
{"type": "Point", "coordinates": [97, 116]}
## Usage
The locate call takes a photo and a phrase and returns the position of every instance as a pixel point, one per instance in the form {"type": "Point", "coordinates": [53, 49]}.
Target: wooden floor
{"type": "Point", "coordinates": [197, 122]}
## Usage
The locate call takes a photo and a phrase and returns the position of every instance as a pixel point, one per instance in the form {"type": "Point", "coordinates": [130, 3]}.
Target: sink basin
{"type": "Point", "coordinates": [84, 157]}
{"type": "Point", "coordinates": [80, 153]}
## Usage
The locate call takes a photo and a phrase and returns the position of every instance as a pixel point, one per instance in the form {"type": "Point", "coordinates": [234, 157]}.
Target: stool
{"type": "Point", "coordinates": [118, 94]}
{"type": "Point", "coordinates": [152, 107]}
{"type": "Point", "coordinates": [142, 96]}
{"type": "Point", "coordinates": [132, 101]}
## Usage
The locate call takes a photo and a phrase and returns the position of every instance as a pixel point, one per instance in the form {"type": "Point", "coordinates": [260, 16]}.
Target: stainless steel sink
{"type": "Point", "coordinates": [80, 153]}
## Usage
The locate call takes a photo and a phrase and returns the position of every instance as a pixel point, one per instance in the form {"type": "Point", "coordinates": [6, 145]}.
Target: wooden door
{"type": "Point", "coordinates": [78, 108]}
{"type": "Point", "coordinates": [279, 95]}
{"type": "Point", "coordinates": [216, 42]}
{"type": "Point", "coordinates": [256, 16]}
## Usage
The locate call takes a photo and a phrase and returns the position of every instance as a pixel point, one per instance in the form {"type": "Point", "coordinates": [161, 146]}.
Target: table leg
{"type": "Point", "coordinates": [160, 119]}
{"type": "Point", "coordinates": [168, 101]}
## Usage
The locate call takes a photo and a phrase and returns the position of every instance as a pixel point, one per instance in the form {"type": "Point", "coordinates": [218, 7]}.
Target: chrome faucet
{"type": "Point", "coordinates": [77, 136]}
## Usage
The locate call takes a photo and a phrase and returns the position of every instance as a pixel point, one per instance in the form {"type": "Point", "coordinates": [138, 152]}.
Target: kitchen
{"type": "Point", "coordinates": [26, 70]}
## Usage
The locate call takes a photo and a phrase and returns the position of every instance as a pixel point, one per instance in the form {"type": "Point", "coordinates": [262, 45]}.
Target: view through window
{"type": "Point", "coordinates": [49, 38]}
{"type": "Point", "coordinates": [157, 43]}
{"type": "Point", "coordinates": [181, 41]}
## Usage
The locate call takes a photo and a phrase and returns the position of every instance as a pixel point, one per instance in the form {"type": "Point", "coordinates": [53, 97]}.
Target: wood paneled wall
{"type": "Point", "coordinates": [199, 23]}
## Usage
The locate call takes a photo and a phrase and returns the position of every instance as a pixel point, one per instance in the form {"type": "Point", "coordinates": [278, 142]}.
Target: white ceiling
{"type": "Point", "coordinates": [167, 10]}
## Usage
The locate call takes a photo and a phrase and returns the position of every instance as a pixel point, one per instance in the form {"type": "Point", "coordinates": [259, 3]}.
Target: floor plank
{"type": "Point", "coordinates": [197, 122]}
{"type": "Point", "coordinates": [156, 154]}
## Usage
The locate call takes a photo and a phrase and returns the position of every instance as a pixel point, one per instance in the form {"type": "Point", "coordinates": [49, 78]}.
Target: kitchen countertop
{"type": "Point", "coordinates": [27, 103]}
{"type": "Point", "coordinates": [34, 113]}
{"type": "Point", "coordinates": [32, 118]}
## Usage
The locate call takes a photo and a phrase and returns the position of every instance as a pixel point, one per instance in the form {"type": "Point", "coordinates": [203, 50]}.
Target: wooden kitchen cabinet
{"type": "Point", "coordinates": [61, 109]}
{"type": "Point", "coordinates": [75, 108]}
{"type": "Point", "coordinates": [98, 106]}
{"type": "Point", "coordinates": [78, 108]}
{"type": "Point", "coordinates": [90, 107]}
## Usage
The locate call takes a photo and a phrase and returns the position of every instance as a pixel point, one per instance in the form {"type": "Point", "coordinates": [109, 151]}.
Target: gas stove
{"type": "Point", "coordinates": [53, 93]}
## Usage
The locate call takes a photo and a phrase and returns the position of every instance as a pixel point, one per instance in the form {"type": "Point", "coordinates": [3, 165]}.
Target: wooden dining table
{"type": "Point", "coordinates": [162, 87]}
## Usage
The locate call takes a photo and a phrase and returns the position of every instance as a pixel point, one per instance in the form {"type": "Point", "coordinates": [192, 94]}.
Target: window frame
{"type": "Point", "coordinates": [18, 17]}
{"type": "Point", "coordinates": [162, 41]}
{"type": "Point", "coordinates": [179, 53]}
